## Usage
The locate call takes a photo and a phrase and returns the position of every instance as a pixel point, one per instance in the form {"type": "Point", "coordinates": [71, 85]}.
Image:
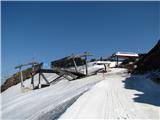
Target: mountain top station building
{"type": "Point", "coordinates": [124, 55]}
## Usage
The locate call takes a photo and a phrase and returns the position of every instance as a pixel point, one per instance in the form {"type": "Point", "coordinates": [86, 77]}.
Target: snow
{"type": "Point", "coordinates": [116, 97]}
{"type": "Point", "coordinates": [127, 54]}
{"type": "Point", "coordinates": [113, 95]}
{"type": "Point", "coordinates": [46, 101]}
{"type": "Point", "coordinates": [16, 89]}
{"type": "Point", "coordinates": [111, 63]}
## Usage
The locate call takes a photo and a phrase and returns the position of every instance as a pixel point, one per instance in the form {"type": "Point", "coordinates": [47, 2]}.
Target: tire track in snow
{"type": "Point", "coordinates": [105, 106]}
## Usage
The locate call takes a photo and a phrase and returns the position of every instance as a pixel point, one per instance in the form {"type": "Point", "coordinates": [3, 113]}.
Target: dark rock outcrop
{"type": "Point", "coordinates": [151, 61]}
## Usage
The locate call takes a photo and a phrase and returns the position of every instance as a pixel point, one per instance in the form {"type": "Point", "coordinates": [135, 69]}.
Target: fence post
{"type": "Point", "coordinates": [21, 77]}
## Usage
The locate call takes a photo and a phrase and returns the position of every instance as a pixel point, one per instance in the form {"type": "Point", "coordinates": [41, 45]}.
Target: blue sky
{"type": "Point", "coordinates": [50, 30]}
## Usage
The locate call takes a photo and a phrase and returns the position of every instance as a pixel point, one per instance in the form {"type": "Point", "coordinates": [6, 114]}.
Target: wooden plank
{"type": "Point", "coordinates": [44, 78]}
{"type": "Point", "coordinates": [47, 71]}
{"type": "Point", "coordinates": [56, 79]}
{"type": "Point", "coordinates": [32, 80]}
{"type": "Point", "coordinates": [39, 81]}
{"type": "Point", "coordinates": [21, 77]}
{"type": "Point", "coordinates": [78, 74]}
{"type": "Point", "coordinates": [75, 65]}
{"type": "Point", "coordinates": [60, 72]}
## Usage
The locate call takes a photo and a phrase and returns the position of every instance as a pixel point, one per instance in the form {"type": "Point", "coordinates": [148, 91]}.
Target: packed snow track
{"type": "Point", "coordinates": [118, 96]}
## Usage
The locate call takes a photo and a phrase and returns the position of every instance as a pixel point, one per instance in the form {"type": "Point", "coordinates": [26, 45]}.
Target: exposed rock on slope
{"type": "Point", "coordinates": [15, 79]}
{"type": "Point", "coordinates": [151, 61]}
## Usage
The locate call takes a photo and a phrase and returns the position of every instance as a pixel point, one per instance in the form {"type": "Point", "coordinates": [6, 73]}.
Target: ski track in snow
{"type": "Point", "coordinates": [109, 99]}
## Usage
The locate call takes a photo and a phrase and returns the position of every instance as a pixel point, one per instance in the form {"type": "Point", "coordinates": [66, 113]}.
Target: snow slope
{"type": "Point", "coordinates": [118, 96]}
{"type": "Point", "coordinates": [16, 89]}
{"type": "Point", "coordinates": [46, 103]}
{"type": "Point", "coordinates": [114, 95]}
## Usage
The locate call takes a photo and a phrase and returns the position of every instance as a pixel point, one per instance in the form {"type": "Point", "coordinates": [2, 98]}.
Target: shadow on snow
{"type": "Point", "coordinates": [150, 91]}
